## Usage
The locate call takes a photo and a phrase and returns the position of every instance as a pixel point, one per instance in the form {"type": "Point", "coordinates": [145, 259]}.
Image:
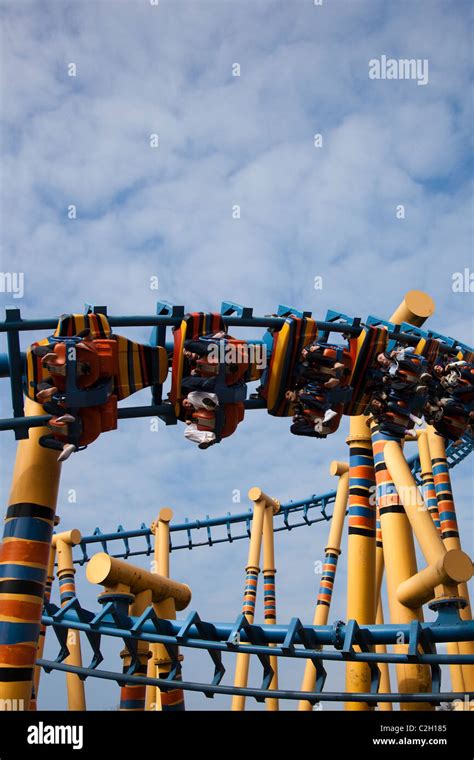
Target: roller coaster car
{"type": "Point", "coordinates": [429, 349]}
{"type": "Point", "coordinates": [365, 371]}
{"type": "Point", "coordinates": [282, 375]}
{"type": "Point", "coordinates": [456, 420]}
{"type": "Point", "coordinates": [225, 363]}
{"type": "Point", "coordinates": [397, 417]}
{"type": "Point", "coordinates": [222, 421]}
{"type": "Point", "coordinates": [80, 373]}
{"type": "Point", "coordinates": [409, 371]}
{"type": "Point", "coordinates": [464, 390]}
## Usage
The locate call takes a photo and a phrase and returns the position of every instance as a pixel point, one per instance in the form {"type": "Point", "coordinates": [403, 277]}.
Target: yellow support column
{"type": "Point", "coordinates": [384, 687]}
{"type": "Point", "coordinates": [360, 548]}
{"type": "Point", "coordinates": [132, 695]}
{"type": "Point", "coordinates": [24, 557]}
{"type": "Point", "coordinates": [269, 591]}
{"type": "Point", "coordinates": [400, 564]}
{"type": "Point", "coordinates": [159, 662]}
{"type": "Point", "coordinates": [143, 588]}
{"type": "Point", "coordinates": [260, 501]}
{"type": "Point", "coordinates": [433, 548]}
{"type": "Point", "coordinates": [63, 543]}
{"type": "Point", "coordinates": [415, 308]}
{"type": "Point", "coordinates": [332, 552]}
{"type": "Point", "coordinates": [450, 533]}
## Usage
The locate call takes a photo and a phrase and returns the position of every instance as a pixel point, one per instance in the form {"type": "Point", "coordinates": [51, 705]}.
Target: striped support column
{"type": "Point", "coordinates": [327, 579]}
{"type": "Point", "coordinates": [250, 590]}
{"type": "Point", "coordinates": [360, 548]}
{"type": "Point", "coordinates": [250, 593]}
{"type": "Point", "coordinates": [24, 556]}
{"type": "Point", "coordinates": [444, 494]}
{"type": "Point", "coordinates": [332, 552]}
{"type": "Point", "coordinates": [269, 598]}
{"type": "Point", "coordinates": [400, 564]}
{"type": "Point", "coordinates": [384, 686]}
{"type": "Point", "coordinates": [171, 700]}
{"type": "Point", "coordinates": [132, 696]}
{"type": "Point", "coordinates": [269, 593]}
{"type": "Point", "coordinates": [63, 542]}
{"type": "Point", "coordinates": [450, 533]}
{"type": "Point", "coordinates": [428, 489]}
{"type": "Point", "coordinates": [429, 496]}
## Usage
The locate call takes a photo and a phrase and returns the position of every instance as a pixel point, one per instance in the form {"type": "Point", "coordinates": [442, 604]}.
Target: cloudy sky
{"type": "Point", "coordinates": [86, 86]}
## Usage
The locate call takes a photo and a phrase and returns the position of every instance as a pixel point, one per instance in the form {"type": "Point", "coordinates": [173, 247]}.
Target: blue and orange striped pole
{"type": "Point", "coordinates": [428, 489]}
{"type": "Point", "coordinates": [384, 686]}
{"type": "Point", "coordinates": [429, 496]}
{"type": "Point", "coordinates": [415, 308]}
{"type": "Point", "coordinates": [450, 533]}
{"type": "Point", "coordinates": [24, 557]}
{"type": "Point", "coordinates": [42, 637]}
{"type": "Point", "coordinates": [63, 543]}
{"type": "Point", "coordinates": [328, 576]}
{"type": "Point", "coordinates": [252, 571]}
{"type": "Point", "coordinates": [400, 564]}
{"type": "Point", "coordinates": [269, 589]}
{"type": "Point", "coordinates": [360, 547]}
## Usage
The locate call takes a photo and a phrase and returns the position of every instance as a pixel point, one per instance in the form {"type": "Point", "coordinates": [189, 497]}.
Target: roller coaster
{"type": "Point", "coordinates": [398, 383]}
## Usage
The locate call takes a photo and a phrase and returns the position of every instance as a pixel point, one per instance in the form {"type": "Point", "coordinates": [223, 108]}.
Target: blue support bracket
{"type": "Point", "coordinates": [229, 307]}
{"type": "Point", "coordinates": [419, 638]}
{"type": "Point", "coordinates": [90, 308]}
{"type": "Point", "coordinates": [60, 631]}
{"type": "Point", "coordinates": [121, 529]}
{"type": "Point", "coordinates": [228, 526]}
{"type": "Point", "coordinates": [247, 524]}
{"type": "Point", "coordinates": [255, 636]}
{"type": "Point", "coordinates": [93, 637]}
{"type": "Point", "coordinates": [115, 605]}
{"type": "Point", "coordinates": [209, 534]}
{"type": "Point", "coordinates": [340, 319]}
{"type": "Point", "coordinates": [309, 639]}
{"type": "Point", "coordinates": [207, 632]}
{"type": "Point", "coordinates": [98, 532]}
{"type": "Point", "coordinates": [85, 556]}
{"type": "Point", "coordinates": [163, 628]}
{"type": "Point", "coordinates": [189, 534]}
{"type": "Point", "coordinates": [285, 311]}
{"type": "Point", "coordinates": [149, 547]}
{"type": "Point", "coordinates": [16, 370]}
{"type": "Point", "coordinates": [356, 635]}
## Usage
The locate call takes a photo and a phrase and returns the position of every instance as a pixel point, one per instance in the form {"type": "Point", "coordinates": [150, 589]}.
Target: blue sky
{"type": "Point", "coordinates": [167, 212]}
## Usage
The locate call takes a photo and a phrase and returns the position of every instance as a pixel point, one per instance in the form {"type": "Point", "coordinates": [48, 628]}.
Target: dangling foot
{"type": "Point", "coordinates": [64, 419]}
{"type": "Point", "coordinates": [68, 449]}
{"type": "Point", "coordinates": [46, 394]}
{"type": "Point", "coordinates": [329, 415]}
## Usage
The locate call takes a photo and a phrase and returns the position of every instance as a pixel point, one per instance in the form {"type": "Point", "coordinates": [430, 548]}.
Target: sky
{"type": "Point", "coordinates": [239, 201]}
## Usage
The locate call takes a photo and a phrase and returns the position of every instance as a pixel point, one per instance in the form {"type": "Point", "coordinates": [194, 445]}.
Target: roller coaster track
{"type": "Point", "coordinates": [295, 640]}
{"type": "Point", "coordinates": [340, 642]}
